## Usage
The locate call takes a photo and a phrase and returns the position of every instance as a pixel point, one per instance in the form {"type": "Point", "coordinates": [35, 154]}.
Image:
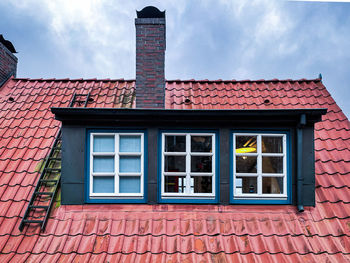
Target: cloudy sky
{"type": "Point", "coordinates": [226, 39]}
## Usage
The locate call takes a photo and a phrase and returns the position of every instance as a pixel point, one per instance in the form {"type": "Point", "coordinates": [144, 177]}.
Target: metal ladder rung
{"type": "Point", "coordinates": [48, 181]}
{"type": "Point", "coordinates": [54, 170]}
{"type": "Point", "coordinates": [39, 206]}
{"type": "Point", "coordinates": [55, 159]}
{"type": "Point", "coordinates": [33, 221]}
{"type": "Point", "coordinates": [44, 193]}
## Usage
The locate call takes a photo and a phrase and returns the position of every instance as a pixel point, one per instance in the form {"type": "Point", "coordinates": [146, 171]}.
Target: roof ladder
{"type": "Point", "coordinates": [40, 204]}
{"type": "Point", "coordinates": [79, 99]}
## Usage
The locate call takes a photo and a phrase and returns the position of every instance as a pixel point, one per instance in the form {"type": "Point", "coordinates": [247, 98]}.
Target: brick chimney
{"type": "Point", "coordinates": [150, 56]}
{"type": "Point", "coordinates": [8, 61]}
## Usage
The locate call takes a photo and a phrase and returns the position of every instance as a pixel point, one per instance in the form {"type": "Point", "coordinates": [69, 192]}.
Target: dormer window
{"type": "Point", "coordinates": [188, 166]}
{"type": "Point", "coordinates": [260, 167]}
{"type": "Point", "coordinates": [219, 157]}
{"type": "Point", "coordinates": [116, 165]}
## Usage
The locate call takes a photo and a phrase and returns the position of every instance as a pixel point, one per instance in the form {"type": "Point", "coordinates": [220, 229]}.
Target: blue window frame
{"type": "Point", "coordinates": [188, 166]}
{"type": "Point", "coordinates": [116, 166]}
{"type": "Point", "coordinates": [260, 167]}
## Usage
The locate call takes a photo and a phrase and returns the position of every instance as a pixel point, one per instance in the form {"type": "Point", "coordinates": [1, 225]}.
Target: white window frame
{"type": "Point", "coordinates": [188, 173]}
{"type": "Point", "coordinates": [259, 174]}
{"type": "Point", "coordinates": [116, 172]}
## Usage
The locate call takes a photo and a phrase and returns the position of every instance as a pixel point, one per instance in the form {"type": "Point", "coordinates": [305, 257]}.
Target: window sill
{"type": "Point", "coordinates": [260, 200]}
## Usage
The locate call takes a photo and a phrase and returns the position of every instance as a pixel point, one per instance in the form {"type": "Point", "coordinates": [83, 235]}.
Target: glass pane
{"type": "Point", "coordinates": [201, 164]}
{"type": "Point", "coordinates": [129, 164]}
{"type": "Point", "coordinates": [130, 143]}
{"type": "Point", "coordinates": [175, 164]}
{"type": "Point", "coordinates": [271, 144]}
{"type": "Point", "coordinates": [246, 164]}
{"type": "Point", "coordinates": [175, 143]}
{"type": "Point", "coordinates": [103, 143]}
{"type": "Point", "coordinates": [246, 185]}
{"type": "Point", "coordinates": [272, 185]}
{"type": "Point", "coordinates": [103, 164]}
{"type": "Point", "coordinates": [246, 144]}
{"type": "Point", "coordinates": [201, 184]}
{"type": "Point", "coordinates": [201, 144]}
{"type": "Point", "coordinates": [103, 184]}
{"type": "Point", "coordinates": [175, 184]}
{"type": "Point", "coordinates": [129, 184]}
{"type": "Point", "coordinates": [272, 165]}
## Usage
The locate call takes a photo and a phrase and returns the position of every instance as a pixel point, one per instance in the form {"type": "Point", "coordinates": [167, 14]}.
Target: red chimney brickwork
{"type": "Point", "coordinates": [8, 61]}
{"type": "Point", "coordinates": [150, 57]}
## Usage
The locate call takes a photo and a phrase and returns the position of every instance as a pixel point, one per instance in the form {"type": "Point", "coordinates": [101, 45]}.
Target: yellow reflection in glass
{"type": "Point", "coordinates": [246, 150]}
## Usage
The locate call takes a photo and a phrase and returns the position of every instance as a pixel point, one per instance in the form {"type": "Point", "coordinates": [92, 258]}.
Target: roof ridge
{"type": "Point", "coordinates": [246, 80]}
{"type": "Point", "coordinates": [173, 80]}
{"type": "Point", "coordinates": [76, 79]}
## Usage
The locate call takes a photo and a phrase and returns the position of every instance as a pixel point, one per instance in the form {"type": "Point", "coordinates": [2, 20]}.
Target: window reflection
{"type": "Point", "coordinates": [246, 185]}
{"type": "Point", "coordinates": [272, 185]}
{"type": "Point", "coordinates": [201, 144]}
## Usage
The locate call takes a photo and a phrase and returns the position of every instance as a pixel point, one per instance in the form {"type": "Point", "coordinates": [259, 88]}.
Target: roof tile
{"type": "Point", "coordinates": [175, 233]}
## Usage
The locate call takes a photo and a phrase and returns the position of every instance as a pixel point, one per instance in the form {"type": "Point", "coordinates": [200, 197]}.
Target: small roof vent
{"type": "Point", "coordinates": [150, 12]}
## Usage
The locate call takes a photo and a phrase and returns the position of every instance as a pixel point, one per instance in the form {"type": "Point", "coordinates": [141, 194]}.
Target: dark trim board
{"type": "Point", "coordinates": [193, 117]}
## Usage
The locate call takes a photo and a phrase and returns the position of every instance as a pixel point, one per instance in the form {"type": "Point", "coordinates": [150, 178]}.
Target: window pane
{"type": "Point", "coordinates": [130, 143]}
{"type": "Point", "coordinates": [272, 165]}
{"type": "Point", "coordinates": [201, 164]}
{"type": "Point", "coordinates": [246, 164]}
{"type": "Point", "coordinates": [129, 184]}
{"type": "Point", "coordinates": [175, 184]}
{"type": "Point", "coordinates": [246, 144]}
{"type": "Point", "coordinates": [103, 143]}
{"type": "Point", "coordinates": [246, 185]}
{"type": "Point", "coordinates": [175, 143]}
{"type": "Point", "coordinates": [201, 144]}
{"type": "Point", "coordinates": [201, 184]}
{"type": "Point", "coordinates": [103, 184]}
{"type": "Point", "coordinates": [175, 164]}
{"type": "Point", "coordinates": [129, 164]}
{"type": "Point", "coordinates": [272, 185]}
{"type": "Point", "coordinates": [272, 144]}
{"type": "Point", "coordinates": [103, 164]}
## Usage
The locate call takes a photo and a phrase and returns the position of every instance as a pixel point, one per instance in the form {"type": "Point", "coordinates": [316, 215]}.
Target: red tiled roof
{"type": "Point", "coordinates": [171, 233]}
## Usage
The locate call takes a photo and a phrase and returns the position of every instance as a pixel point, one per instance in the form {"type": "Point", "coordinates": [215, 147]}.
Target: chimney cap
{"type": "Point", "coordinates": [150, 12]}
{"type": "Point", "coordinates": [7, 44]}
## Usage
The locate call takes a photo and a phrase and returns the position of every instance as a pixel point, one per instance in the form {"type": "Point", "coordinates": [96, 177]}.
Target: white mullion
{"type": "Point", "coordinates": [142, 186]}
{"type": "Point", "coordinates": [247, 154]}
{"type": "Point", "coordinates": [201, 154]}
{"type": "Point", "coordinates": [116, 166]}
{"type": "Point", "coordinates": [201, 174]}
{"type": "Point", "coordinates": [174, 174]}
{"type": "Point", "coordinates": [103, 174]}
{"type": "Point", "coordinates": [213, 166]}
{"type": "Point", "coordinates": [163, 166]}
{"type": "Point", "coordinates": [284, 138]}
{"type": "Point", "coordinates": [272, 175]}
{"type": "Point", "coordinates": [234, 165]}
{"type": "Point", "coordinates": [131, 174]}
{"type": "Point", "coordinates": [130, 153]}
{"type": "Point", "coordinates": [247, 175]}
{"type": "Point", "coordinates": [259, 164]}
{"type": "Point", "coordinates": [188, 165]}
{"type": "Point", "coordinates": [91, 164]}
